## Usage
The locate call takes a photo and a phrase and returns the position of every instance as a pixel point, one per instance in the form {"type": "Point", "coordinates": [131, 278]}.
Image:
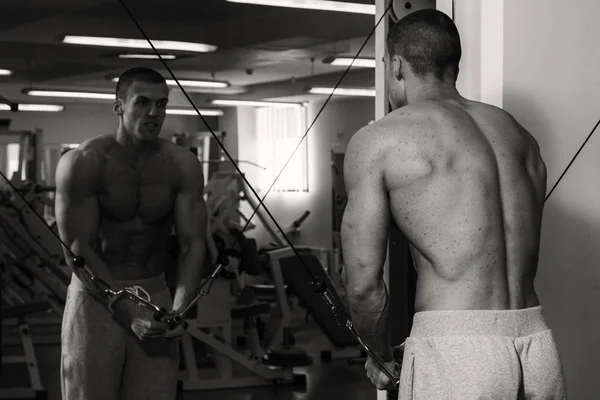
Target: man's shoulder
{"type": "Point", "coordinates": [98, 144]}
{"type": "Point", "coordinates": [86, 161]}
{"type": "Point", "coordinates": [178, 156]}
{"type": "Point", "coordinates": [185, 163]}
{"type": "Point", "coordinates": [87, 155]}
{"type": "Point", "coordinates": [378, 136]}
{"type": "Point", "coordinates": [91, 153]}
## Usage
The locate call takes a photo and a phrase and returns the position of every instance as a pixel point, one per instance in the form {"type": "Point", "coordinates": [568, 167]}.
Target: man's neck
{"type": "Point", "coordinates": [431, 90]}
{"type": "Point", "coordinates": [135, 149]}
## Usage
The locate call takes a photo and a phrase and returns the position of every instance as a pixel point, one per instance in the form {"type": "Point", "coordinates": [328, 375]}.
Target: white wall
{"type": "Point", "coordinates": [552, 86]}
{"type": "Point", "coordinates": [481, 29]}
{"type": "Point", "coordinates": [337, 123]}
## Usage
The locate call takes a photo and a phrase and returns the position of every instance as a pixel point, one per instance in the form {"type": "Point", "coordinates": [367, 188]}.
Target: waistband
{"type": "Point", "coordinates": [152, 285]}
{"type": "Point", "coordinates": [511, 323]}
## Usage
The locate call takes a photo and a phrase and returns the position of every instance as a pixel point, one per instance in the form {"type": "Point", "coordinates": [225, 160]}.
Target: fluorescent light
{"type": "Point", "coordinates": [204, 112]}
{"type": "Point", "coordinates": [139, 43]}
{"type": "Point", "coordinates": [205, 84]}
{"type": "Point", "coordinates": [78, 95]}
{"type": "Point", "coordinates": [34, 107]}
{"type": "Point", "coordinates": [251, 103]}
{"type": "Point", "coordinates": [5, 72]}
{"type": "Point", "coordinates": [345, 61]}
{"type": "Point", "coordinates": [148, 56]}
{"type": "Point", "coordinates": [192, 83]}
{"type": "Point", "coordinates": [315, 5]}
{"type": "Point", "coordinates": [343, 91]}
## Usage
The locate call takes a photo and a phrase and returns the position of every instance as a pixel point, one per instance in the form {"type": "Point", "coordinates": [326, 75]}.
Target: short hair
{"type": "Point", "coordinates": [138, 74]}
{"type": "Point", "coordinates": [429, 41]}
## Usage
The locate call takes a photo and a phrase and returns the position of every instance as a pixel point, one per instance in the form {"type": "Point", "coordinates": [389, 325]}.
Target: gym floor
{"type": "Point", "coordinates": [338, 379]}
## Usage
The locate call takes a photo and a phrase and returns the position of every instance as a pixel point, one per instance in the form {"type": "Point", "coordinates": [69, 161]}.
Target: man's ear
{"type": "Point", "coordinates": [118, 107]}
{"type": "Point", "coordinates": [397, 67]}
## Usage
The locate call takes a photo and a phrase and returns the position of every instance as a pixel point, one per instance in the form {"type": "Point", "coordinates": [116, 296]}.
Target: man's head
{"type": "Point", "coordinates": [425, 47]}
{"type": "Point", "coordinates": [141, 102]}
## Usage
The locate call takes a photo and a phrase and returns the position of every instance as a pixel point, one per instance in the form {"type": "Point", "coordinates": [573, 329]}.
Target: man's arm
{"type": "Point", "coordinates": [364, 231]}
{"type": "Point", "coordinates": [190, 228]}
{"type": "Point", "coordinates": [78, 216]}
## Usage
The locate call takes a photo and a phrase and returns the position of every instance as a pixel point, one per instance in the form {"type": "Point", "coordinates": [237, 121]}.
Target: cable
{"type": "Point", "coordinates": [318, 286]}
{"type": "Point", "coordinates": [227, 154]}
{"type": "Point", "coordinates": [242, 176]}
{"type": "Point", "coordinates": [572, 160]}
{"type": "Point", "coordinates": [318, 114]}
{"type": "Point", "coordinates": [36, 213]}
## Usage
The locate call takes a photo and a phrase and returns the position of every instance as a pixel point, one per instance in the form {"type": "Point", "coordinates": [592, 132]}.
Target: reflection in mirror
{"type": "Point", "coordinates": [262, 78]}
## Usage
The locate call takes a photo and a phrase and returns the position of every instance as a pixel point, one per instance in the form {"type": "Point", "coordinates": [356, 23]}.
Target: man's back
{"type": "Point", "coordinates": [466, 185]}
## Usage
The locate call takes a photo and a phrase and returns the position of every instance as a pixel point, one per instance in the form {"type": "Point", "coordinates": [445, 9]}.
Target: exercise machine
{"type": "Point", "coordinates": [30, 255]}
{"type": "Point", "coordinates": [213, 326]}
{"type": "Point", "coordinates": [23, 365]}
{"type": "Point", "coordinates": [34, 278]}
{"type": "Point", "coordinates": [230, 306]}
{"type": "Point", "coordinates": [288, 269]}
{"type": "Point", "coordinates": [338, 206]}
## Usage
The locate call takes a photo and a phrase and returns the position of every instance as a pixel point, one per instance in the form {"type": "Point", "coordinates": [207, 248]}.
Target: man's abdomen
{"type": "Point", "coordinates": [135, 253]}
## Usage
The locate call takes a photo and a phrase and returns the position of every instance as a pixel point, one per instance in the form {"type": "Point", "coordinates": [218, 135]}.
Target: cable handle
{"type": "Point", "coordinates": [319, 286]}
{"type": "Point", "coordinates": [222, 262]}
{"type": "Point", "coordinates": [114, 297]}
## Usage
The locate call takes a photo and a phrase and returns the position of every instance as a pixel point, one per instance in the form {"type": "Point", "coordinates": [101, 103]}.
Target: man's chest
{"type": "Point", "coordinates": [127, 191]}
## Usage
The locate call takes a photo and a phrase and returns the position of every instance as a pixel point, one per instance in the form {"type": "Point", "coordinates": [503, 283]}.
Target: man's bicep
{"type": "Point", "coordinates": [77, 221]}
{"type": "Point", "coordinates": [76, 205]}
{"type": "Point", "coordinates": [190, 207]}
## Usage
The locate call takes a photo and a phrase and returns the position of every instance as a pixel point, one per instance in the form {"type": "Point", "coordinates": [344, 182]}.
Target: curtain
{"type": "Point", "coordinates": [278, 132]}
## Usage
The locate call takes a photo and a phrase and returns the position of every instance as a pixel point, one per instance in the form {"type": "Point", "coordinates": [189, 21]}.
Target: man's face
{"type": "Point", "coordinates": [144, 110]}
{"type": "Point", "coordinates": [394, 81]}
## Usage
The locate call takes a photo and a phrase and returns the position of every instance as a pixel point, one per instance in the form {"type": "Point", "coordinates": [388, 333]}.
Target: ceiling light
{"type": "Point", "coordinates": [139, 43]}
{"type": "Point", "coordinates": [192, 83]}
{"type": "Point", "coordinates": [323, 5]}
{"type": "Point", "coordinates": [5, 72]}
{"type": "Point", "coordinates": [252, 103]}
{"type": "Point", "coordinates": [77, 95]}
{"type": "Point", "coordinates": [204, 112]}
{"type": "Point", "coordinates": [343, 91]}
{"type": "Point", "coordinates": [345, 61]}
{"type": "Point", "coordinates": [34, 107]}
{"type": "Point", "coordinates": [148, 56]}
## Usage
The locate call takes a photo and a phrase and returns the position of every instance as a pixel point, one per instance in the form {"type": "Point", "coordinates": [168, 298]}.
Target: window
{"type": "Point", "coordinates": [12, 160]}
{"type": "Point", "coordinates": [278, 132]}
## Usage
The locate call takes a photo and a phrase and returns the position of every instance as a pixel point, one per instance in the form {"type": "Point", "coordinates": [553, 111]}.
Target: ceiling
{"type": "Point", "coordinates": [264, 52]}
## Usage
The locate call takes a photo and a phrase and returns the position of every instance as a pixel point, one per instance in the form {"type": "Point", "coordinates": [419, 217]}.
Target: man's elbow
{"type": "Point", "coordinates": [364, 290]}
{"type": "Point", "coordinates": [194, 245]}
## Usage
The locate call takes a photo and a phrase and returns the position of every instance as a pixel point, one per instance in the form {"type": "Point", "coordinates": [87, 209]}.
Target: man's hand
{"type": "Point", "coordinates": [378, 377]}
{"type": "Point", "coordinates": [144, 326]}
{"type": "Point", "coordinates": [176, 332]}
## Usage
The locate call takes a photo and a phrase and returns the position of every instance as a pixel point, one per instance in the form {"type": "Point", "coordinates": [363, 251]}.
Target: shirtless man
{"type": "Point", "coordinates": [118, 197]}
{"type": "Point", "coordinates": [465, 183]}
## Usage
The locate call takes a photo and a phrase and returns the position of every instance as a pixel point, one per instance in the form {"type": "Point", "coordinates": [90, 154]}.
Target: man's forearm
{"type": "Point", "coordinates": [189, 271]}
{"type": "Point", "coordinates": [94, 264]}
{"type": "Point", "coordinates": [370, 317]}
